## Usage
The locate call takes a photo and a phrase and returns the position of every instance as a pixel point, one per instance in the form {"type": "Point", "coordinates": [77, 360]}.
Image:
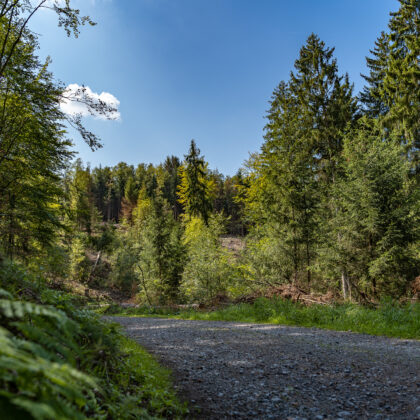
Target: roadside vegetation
{"type": "Point", "coordinates": [59, 360]}
{"type": "Point", "coordinates": [388, 319]}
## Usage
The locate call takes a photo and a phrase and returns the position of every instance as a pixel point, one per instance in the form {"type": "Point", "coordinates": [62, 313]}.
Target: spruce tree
{"type": "Point", "coordinates": [161, 252]}
{"type": "Point", "coordinates": [129, 200]}
{"type": "Point", "coordinates": [325, 103]}
{"type": "Point", "coordinates": [171, 182]}
{"type": "Point", "coordinates": [287, 168]}
{"type": "Point", "coordinates": [372, 96]}
{"type": "Point", "coordinates": [195, 190]}
{"type": "Point", "coordinates": [300, 157]}
{"type": "Point", "coordinates": [378, 215]}
{"type": "Point", "coordinates": [402, 78]}
{"type": "Point", "coordinates": [81, 197]}
{"type": "Point", "coordinates": [394, 81]}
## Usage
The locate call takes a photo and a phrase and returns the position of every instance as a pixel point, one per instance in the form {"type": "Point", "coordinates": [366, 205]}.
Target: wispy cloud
{"type": "Point", "coordinates": [81, 100]}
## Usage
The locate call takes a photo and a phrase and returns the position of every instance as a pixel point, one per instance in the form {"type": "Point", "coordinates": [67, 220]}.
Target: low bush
{"type": "Point", "coordinates": [60, 361]}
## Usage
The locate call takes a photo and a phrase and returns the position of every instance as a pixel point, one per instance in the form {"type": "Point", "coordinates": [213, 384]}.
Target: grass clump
{"type": "Point", "coordinates": [388, 319]}
{"type": "Point", "coordinates": [60, 361]}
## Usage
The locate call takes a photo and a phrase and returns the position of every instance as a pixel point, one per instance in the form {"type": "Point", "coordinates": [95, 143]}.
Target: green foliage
{"type": "Point", "coordinates": [372, 96]}
{"type": "Point", "coordinates": [267, 257]}
{"type": "Point", "coordinates": [52, 262]}
{"type": "Point", "coordinates": [33, 147]}
{"type": "Point", "coordinates": [401, 80]}
{"type": "Point", "coordinates": [47, 388]}
{"type": "Point", "coordinates": [79, 266]}
{"type": "Point", "coordinates": [393, 89]}
{"type": "Point", "coordinates": [299, 159]}
{"type": "Point", "coordinates": [161, 254]}
{"type": "Point", "coordinates": [388, 319]}
{"type": "Point", "coordinates": [155, 382]}
{"type": "Point", "coordinates": [209, 270]}
{"type": "Point", "coordinates": [195, 190]}
{"type": "Point", "coordinates": [378, 218]}
{"type": "Point", "coordinates": [149, 256]}
{"type": "Point", "coordinates": [33, 152]}
{"type": "Point", "coordinates": [171, 181]}
{"type": "Point", "coordinates": [62, 362]}
{"type": "Point", "coordinates": [123, 263]}
{"type": "Point", "coordinates": [38, 352]}
{"type": "Point", "coordinates": [80, 197]}
{"type": "Point", "coordinates": [104, 241]}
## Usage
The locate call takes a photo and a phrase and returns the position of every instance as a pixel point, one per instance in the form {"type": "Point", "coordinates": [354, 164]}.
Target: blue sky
{"type": "Point", "coordinates": [202, 69]}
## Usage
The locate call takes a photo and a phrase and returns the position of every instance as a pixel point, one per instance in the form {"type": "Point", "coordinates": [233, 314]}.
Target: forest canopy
{"type": "Point", "coordinates": [329, 203]}
{"type": "Point", "coordinates": [328, 206]}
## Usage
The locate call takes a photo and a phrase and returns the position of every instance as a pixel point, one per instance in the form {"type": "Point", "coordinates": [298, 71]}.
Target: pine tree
{"type": "Point", "coordinates": [121, 173]}
{"type": "Point", "coordinates": [300, 157]}
{"type": "Point", "coordinates": [81, 197]}
{"type": "Point", "coordinates": [372, 96]}
{"type": "Point", "coordinates": [325, 103]}
{"type": "Point", "coordinates": [161, 252]}
{"type": "Point", "coordinates": [129, 200]}
{"type": "Point", "coordinates": [402, 79]}
{"type": "Point", "coordinates": [102, 188]}
{"type": "Point", "coordinates": [287, 167]}
{"type": "Point", "coordinates": [171, 182]}
{"type": "Point", "coordinates": [394, 80]}
{"type": "Point", "coordinates": [195, 190]}
{"type": "Point", "coordinates": [378, 216]}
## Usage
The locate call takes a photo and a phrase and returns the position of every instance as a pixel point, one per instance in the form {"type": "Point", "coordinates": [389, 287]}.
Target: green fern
{"type": "Point", "coordinates": [34, 372]}
{"type": "Point", "coordinates": [60, 361]}
{"type": "Point", "coordinates": [18, 309]}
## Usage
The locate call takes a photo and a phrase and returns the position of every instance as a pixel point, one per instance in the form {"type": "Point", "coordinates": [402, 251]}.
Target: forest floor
{"type": "Point", "coordinates": [238, 370]}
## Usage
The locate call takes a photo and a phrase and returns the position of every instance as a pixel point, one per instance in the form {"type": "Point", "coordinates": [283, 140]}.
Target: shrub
{"type": "Point", "coordinates": [59, 361]}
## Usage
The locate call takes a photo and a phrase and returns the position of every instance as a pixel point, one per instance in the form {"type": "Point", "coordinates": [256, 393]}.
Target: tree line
{"type": "Point", "coordinates": [113, 192]}
{"type": "Point", "coordinates": [329, 202]}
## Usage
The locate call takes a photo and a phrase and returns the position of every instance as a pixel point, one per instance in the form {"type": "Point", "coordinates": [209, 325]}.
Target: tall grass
{"type": "Point", "coordinates": [389, 319]}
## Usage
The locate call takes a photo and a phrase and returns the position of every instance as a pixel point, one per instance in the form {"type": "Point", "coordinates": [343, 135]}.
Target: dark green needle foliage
{"type": "Point", "coordinates": [372, 96]}
{"type": "Point", "coordinates": [393, 90]}
{"type": "Point", "coordinates": [195, 189]}
{"type": "Point", "coordinates": [300, 157]}
{"type": "Point", "coordinates": [378, 219]}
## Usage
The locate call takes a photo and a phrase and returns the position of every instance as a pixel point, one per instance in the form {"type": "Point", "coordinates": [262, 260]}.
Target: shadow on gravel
{"type": "Point", "coordinates": [275, 372]}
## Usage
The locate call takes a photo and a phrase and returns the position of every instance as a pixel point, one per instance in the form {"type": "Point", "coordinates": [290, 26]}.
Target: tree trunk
{"type": "Point", "coordinates": [98, 257]}
{"type": "Point", "coordinates": [345, 286]}
{"type": "Point", "coordinates": [308, 262]}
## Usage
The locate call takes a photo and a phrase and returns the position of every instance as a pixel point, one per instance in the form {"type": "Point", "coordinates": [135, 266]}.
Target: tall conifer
{"type": "Point", "coordinates": [372, 96]}
{"type": "Point", "coordinates": [394, 79]}
{"type": "Point", "coordinates": [195, 189]}
{"type": "Point", "coordinates": [300, 157]}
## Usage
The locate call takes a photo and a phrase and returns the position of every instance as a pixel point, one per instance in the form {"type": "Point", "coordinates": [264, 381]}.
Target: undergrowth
{"type": "Point", "coordinates": [60, 361]}
{"type": "Point", "coordinates": [388, 319]}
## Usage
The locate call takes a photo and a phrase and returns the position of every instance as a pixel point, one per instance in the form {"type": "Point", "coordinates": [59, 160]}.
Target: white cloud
{"type": "Point", "coordinates": [81, 100]}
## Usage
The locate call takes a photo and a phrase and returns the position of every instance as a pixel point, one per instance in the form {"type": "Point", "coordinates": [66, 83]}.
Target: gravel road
{"type": "Point", "coordinates": [250, 371]}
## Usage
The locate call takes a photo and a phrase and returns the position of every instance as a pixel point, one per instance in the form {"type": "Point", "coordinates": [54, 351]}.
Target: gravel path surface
{"type": "Point", "coordinates": [251, 371]}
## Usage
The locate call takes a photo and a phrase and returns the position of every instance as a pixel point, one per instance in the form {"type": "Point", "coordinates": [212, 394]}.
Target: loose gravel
{"type": "Point", "coordinates": [257, 371]}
